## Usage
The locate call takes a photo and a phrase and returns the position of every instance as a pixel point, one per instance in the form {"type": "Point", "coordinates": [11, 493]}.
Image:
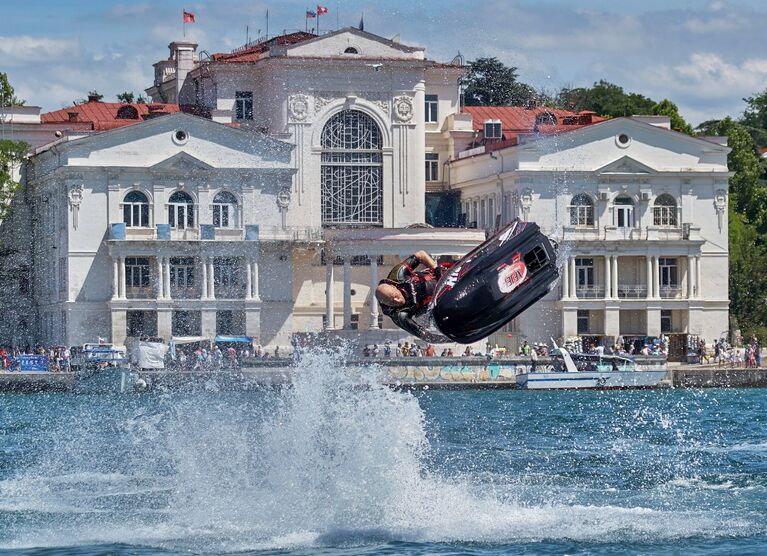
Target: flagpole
{"type": "Point", "coordinates": [267, 24]}
{"type": "Point", "coordinates": [183, 19]}
{"type": "Point", "coordinates": [306, 20]}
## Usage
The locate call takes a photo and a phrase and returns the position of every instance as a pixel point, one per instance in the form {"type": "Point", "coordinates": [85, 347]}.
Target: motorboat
{"type": "Point", "coordinates": [592, 371]}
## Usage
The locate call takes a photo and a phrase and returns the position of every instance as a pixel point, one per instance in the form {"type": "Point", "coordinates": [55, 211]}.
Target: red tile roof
{"type": "Point", "coordinates": [519, 119]}
{"type": "Point", "coordinates": [254, 53]}
{"type": "Point", "coordinates": [103, 115]}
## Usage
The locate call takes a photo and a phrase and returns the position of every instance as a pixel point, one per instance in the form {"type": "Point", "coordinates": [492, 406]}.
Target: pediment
{"type": "Point", "coordinates": [625, 166]}
{"type": "Point", "coordinates": [182, 162]}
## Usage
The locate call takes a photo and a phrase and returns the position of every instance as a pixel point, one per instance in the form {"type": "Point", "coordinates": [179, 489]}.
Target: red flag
{"type": "Point", "coordinates": [321, 10]}
{"type": "Point", "coordinates": [188, 17]}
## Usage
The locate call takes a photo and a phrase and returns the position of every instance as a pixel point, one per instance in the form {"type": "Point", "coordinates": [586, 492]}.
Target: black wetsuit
{"type": "Point", "coordinates": [418, 289]}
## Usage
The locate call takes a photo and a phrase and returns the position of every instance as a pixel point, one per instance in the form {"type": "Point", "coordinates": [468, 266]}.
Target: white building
{"type": "Point", "coordinates": [183, 226]}
{"type": "Point", "coordinates": [274, 216]}
{"type": "Point", "coordinates": [640, 212]}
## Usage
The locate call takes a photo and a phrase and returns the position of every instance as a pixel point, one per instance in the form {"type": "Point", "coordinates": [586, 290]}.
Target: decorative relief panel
{"type": "Point", "coordinates": [323, 98]}
{"type": "Point", "coordinates": [298, 107]}
{"type": "Point", "coordinates": [403, 108]}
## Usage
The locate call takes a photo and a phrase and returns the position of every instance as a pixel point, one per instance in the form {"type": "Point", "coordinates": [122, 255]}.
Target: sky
{"type": "Point", "coordinates": [705, 55]}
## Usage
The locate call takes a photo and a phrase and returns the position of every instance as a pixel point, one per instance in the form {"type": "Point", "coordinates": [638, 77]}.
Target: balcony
{"type": "Point", "coordinates": [590, 292]}
{"type": "Point", "coordinates": [671, 292]}
{"type": "Point", "coordinates": [139, 292]}
{"type": "Point", "coordinates": [632, 291]}
{"type": "Point", "coordinates": [580, 233]}
{"type": "Point", "coordinates": [623, 234]}
{"type": "Point", "coordinates": [184, 293]}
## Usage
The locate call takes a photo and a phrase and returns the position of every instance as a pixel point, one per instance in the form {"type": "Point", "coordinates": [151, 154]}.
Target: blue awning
{"type": "Point", "coordinates": [233, 339]}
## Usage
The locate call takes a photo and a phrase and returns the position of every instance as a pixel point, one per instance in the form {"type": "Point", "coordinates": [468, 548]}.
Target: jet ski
{"type": "Point", "coordinates": [495, 282]}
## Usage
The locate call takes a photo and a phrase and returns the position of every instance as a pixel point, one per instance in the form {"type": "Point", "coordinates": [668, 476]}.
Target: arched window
{"type": "Point", "coordinates": [581, 210]}
{"type": "Point", "coordinates": [136, 210]}
{"type": "Point", "coordinates": [352, 170]}
{"type": "Point", "coordinates": [351, 50]}
{"type": "Point", "coordinates": [127, 112]}
{"type": "Point", "coordinates": [664, 211]}
{"type": "Point", "coordinates": [180, 211]}
{"type": "Point", "coordinates": [225, 210]}
{"type": "Point", "coordinates": [624, 212]}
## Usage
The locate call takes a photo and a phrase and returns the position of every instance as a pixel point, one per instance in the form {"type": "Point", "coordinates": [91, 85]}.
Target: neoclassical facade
{"type": "Point", "coordinates": [640, 213]}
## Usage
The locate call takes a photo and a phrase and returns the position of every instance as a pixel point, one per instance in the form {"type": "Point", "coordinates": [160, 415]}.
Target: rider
{"type": "Point", "coordinates": [405, 293]}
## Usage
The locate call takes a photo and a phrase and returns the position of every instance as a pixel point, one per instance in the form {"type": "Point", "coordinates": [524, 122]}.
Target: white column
{"type": "Point", "coordinates": [656, 277]}
{"type": "Point", "coordinates": [211, 279]}
{"type": "Point", "coordinates": [121, 274]}
{"type": "Point", "coordinates": [347, 293]}
{"type": "Point", "coordinates": [254, 271]}
{"type": "Point", "coordinates": [115, 278]}
{"type": "Point", "coordinates": [690, 277]}
{"type": "Point", "coordinates": [698, 282]}
{"type": "Point", "coordinates": [160, 261]}
{"type": "Point", "coordinates": [573, 283]}
{"type": "Point", "coordinates": [648, 278]}
{"type": "Point", "coordinates": [615, 275]}
{"type": "Point", "coordinates": [373, 286]}
{"type": "Point", "coordinates": [608, 278]}
{"type": "Point", "coordinates": [166, 264]}
{"type": "Point", "coordinates": [329, 294]}
{"type": "Point", "coordinates": [566, 280]}
{"type": "Point", "coordinates": [248, 280]}
{"type": "Point", "coordinates": [204, 277]}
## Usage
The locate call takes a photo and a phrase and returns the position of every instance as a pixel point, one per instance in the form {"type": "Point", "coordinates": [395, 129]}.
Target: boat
{"type": "Point", "coordinates": [96, 356]}
{"type": "Point", "coordinates": [592, 371]}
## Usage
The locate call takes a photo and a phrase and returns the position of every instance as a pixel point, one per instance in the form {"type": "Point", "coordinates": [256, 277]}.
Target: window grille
{"type": "Point", "coordinates": [582, 211]}
{"type": "Point", "coordinates": [224, 210]}
{"type": "Point", "coordinates": [664, 212]}
{"type": "Point", "coordinates": [352, 170]}
{"type": "Point", "coordinates": [136, 210]}
{"type": "Point", "coordinates": [137, 272]}
{"type": "Point", "coordinates": [180, 211]}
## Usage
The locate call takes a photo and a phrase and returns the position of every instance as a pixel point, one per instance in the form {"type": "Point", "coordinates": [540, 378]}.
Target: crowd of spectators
{"type": "Point", "coordinates": [727, 355]}
{"type": "Point", "coordinates": [59, 357]}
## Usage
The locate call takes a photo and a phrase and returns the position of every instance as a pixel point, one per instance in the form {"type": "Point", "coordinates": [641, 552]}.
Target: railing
{"type": "Point", "coordinates": [139, 292]}
{"type": "Point", "coordinates": [590, 292]}
{"type": "Point", "coordinates": [291, 233]}
{"type": "Point", "coordinates": [670, 292]}
{"type": "Point", "coordinates": [580, 233]}
{"type": "Point", "coordinates": [184, 293]}
{"type": "Point", "coordinates": [632, 291]}
{"type": "Point", "coordinates": [230, 292]}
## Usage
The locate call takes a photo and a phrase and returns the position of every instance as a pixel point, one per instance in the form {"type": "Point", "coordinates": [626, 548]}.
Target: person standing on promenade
{"type": "Point", "coordinates": [533, 359]}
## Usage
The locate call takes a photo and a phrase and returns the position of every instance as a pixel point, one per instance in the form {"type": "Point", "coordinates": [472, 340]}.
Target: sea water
{"type": "Point", "coordinates": [339, 465]}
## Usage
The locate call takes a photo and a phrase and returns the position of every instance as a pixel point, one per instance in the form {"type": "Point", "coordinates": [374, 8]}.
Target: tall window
{"type": "Point", "coordinates": [669, 274]}
{"type": "Point", "coordinates": [584, 272]}
{"type": "Point", "coordinates": [243, 105]}
{"type": "Point", "coordinates": [666, 321]}
{"type": "Point", "coordinates": [182, 276]}
{"type": "Point", "coordinates": [490, 212]}
{"type": "Point", "coordinates": [624, 212]}
{"type": "Point", "coordinates": [352, 170]}
{"type": "Point", "coordinates": [493, 129]}
{"type": "Point", "coordinates": [136, 210]}
{"type": "Point", "coordinates": [431, 109]}
{"type": "Point", "coordinates": [581, 211]}
{"type": "Point", "coordinates": [180, 211]}
{"type": "Point", "coordinates": [664, 211]}
{"type": "Point", "coordinates": [583, 321]}
{"type": "Point", "coordinates": [137, 272]}
{"type": "Point", "coordinates": [228, 277]}
{"type": "Point", "coordinates": [224, 210]}
{"type": "Point", "coordinates": [432, 167]}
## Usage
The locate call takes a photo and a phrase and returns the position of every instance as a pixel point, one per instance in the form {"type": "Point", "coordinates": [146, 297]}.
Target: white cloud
{"type": "Point", "coordinates": [25, 49]}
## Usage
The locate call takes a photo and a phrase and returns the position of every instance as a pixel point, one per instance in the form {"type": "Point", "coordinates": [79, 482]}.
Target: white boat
{"type": "Point", "coordinates": [592, 371]}
{"type": "Point", "coordinates": [97, 356]}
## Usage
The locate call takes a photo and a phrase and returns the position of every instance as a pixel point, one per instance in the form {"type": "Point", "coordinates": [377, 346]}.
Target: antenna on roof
{"type": "Point", "coordinates": [458, 60]}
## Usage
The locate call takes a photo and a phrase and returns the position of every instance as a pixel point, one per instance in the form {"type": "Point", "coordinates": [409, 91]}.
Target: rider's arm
{"type": "Point", "coordinates": [425, 259]}
{"type": "Point", "coordinates": [404, 319]}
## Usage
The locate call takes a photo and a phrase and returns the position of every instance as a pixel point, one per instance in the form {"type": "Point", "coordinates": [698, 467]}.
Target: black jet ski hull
{"type": "Point", "coordinates": [494, 283]}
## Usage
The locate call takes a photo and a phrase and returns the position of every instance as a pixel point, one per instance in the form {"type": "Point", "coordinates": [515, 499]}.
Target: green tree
{"type": "Point", "coordinates": [12, 153]}
{"type": "Point", "coordinates": [491, 83]}
{"type": "Point", "coordinates": [755, 118]}
{"type": "Point", "coordinates": [604, 98]}
{"type": "Point", "coordinates": [744, 161]}
{"type": "Point", "coordinates": [747, 279]}
{"type": "Point", "coordinates": [678, 123]}
{"type": "Point", "coordinates": [95, 95]}
{"type": "Point", "coordinates": [7, 93]}
{"type": "Point", "coordinates": [126, 97]}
